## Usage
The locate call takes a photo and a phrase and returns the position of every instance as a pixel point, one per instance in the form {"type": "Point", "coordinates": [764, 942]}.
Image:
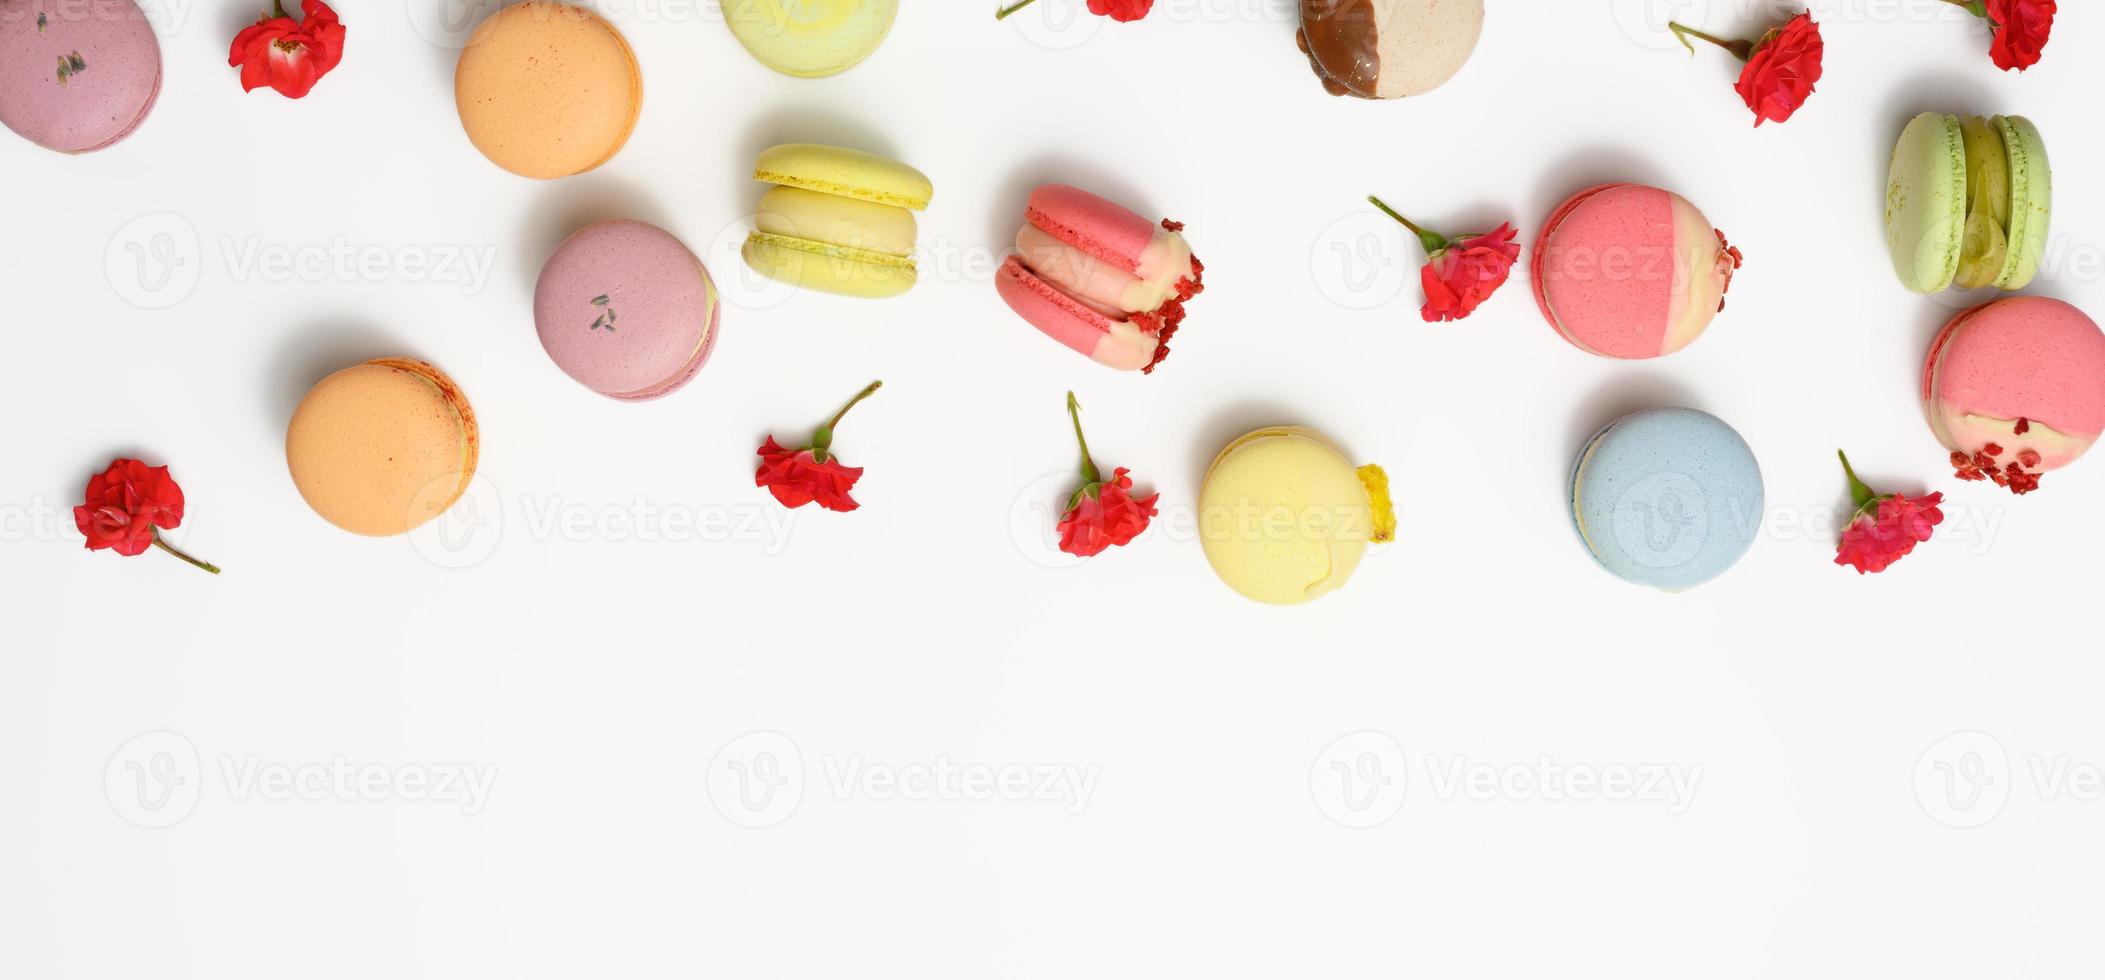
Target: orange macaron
{"type": "Point", "coordinates": [382, 447]}
{"type": "Point", "coordinates": [548, 90]}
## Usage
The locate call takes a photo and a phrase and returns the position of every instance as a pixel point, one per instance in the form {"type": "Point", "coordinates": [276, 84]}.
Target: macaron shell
{"type": "Point", "coordinates": [548, 90]}
{"type": "Point", "coordinates": [1668, 498]}
{"type": "Point", "coordinates": [1284, 517]}
{"type": "Point", "coordinates": [1926, 202]}
{"type": "Point", "coordinates": [626, 310]}
{"type": "Point", "coordinates": [2031, 200]}
{"type": "Point", "coordinates": [1387, 49]}
{"type": "Point", "coordinates": [811, 38]}
{"type": "Point", "coordinates": [829, 268]}
{"type": "Point", "coordinates": [1628, 271]}
{"type": "Point", "coordinates": [845, 173]}
{"type": "Point", "coordinates": [1111, 342]}
{"type": "Point", "coordinates": [2025, 357]}
{"type": "Point", "coordinates": [380, 448]}
{"type": "Point", "coordinates": [100, 98]}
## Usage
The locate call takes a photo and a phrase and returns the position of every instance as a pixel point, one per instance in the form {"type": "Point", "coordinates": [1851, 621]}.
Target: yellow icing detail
{"type": "Point", "coordinates": [1377, 484]}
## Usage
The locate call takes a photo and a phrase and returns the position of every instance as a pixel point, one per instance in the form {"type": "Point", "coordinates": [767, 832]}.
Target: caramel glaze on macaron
{"type": "Point", "coordinates": [382, 447]}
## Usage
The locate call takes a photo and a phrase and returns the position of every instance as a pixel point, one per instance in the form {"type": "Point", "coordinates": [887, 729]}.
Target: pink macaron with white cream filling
{"type": "Point", "coordinates": [1099, 278]}
{"type": "Point", "coordinates": [2016, 388]}
{"type": "Point", "coordinates": [1629, 271]}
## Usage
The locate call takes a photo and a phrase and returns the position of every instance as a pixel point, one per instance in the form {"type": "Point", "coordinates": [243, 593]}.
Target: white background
{"type": "Point", "coordinates": [600, 657]}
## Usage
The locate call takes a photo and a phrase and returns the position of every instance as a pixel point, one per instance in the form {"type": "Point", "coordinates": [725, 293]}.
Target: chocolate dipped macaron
{"type": "Point", "coordinates": [1388, 49]}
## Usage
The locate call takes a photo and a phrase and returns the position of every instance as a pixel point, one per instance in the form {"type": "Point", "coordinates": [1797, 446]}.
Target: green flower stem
{"type": "Point", "coordinates": [822, 440]}
{"type": "Point", "coordinates": [277, 8]}
{"type": "Point", "coordinates": [1740, 49]}
{"type": "Point", "coordinates": [1090, 474]}
{"type": "Point", "coordinates": [1012, 8]}
{"type": "Point", "coordinates": [1433, 241]}
{"type": "Point", "coordinates": [1859, 493]}
{"type": "Point", "coordinates": [171, 549]}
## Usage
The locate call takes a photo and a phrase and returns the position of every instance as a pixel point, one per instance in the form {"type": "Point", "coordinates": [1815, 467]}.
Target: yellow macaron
{"type": "Point", "coordinates": [838, 220]}
{"type": "Point", "coordinates": [811, 38]}
{"type": "Point", "coordinates": [1285, 517]}
{"type": "Point", "coordinates": [381, 447]}
{"type": "Point", "coordinates": [548, 90]}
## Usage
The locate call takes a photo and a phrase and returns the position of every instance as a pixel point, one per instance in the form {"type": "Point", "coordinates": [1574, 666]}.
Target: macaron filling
{"type": "Point", "coordinates": [1141, 300]}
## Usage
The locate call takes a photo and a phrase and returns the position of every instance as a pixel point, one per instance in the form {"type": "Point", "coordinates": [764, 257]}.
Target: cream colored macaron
{"type": "Point", "coordinates": [1285, 517]}
{"type": "Point", "coordinates": [548, 90]}
{"type": "Point", "coordinates": [381, 447]}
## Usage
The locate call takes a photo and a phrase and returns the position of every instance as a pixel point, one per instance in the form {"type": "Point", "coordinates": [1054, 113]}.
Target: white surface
{"type": "Point", "coordinates": [600, 672]}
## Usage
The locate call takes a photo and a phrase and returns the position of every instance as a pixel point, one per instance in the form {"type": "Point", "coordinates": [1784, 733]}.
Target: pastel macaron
{"type": "Point", "coordinates": [76, 76]}
{"type": "Point", "coordinates": [811, 38]}
{"type": "Point", "coordinates": [1629, 271]}
{"type": "Point", "coordinates": [1285, 517]}
{"type": "Point", "coordinates": [547, 90]}
{"type": "Point", "coordinates": [1388, 49]}
{"type": "Point", "coordinates": [626, 310]}
{"type": "Point", "coordinates": [1968, 202]}
{"type": "Point", "coordinates": [382, 447]}
{"type": "Point", "coordinates": [837, 220]}
{"type": "Point", "coordinates": [2016, 388]}
{"type": "Point", "coordinates": [1669, 498]}
{"type": "Point", "coordinates": [1106, 282]}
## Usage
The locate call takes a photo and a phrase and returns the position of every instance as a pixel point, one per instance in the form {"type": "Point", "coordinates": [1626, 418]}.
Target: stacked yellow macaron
{"type": "Point", "coordinates": [838, 220]}
{"type": "Point", "coordinates": [1285, 517]}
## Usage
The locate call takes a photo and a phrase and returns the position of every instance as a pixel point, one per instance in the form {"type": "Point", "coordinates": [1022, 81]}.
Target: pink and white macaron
{"type": "Point", "coordinates": [1106, 282]}
{"type": "Point", "coordinates": [626, 310]}
{"type": "Point", "coordinates": [1632, 272]}
{"type": "Point", "coordinates": [2016, 388]}
{"type": "Point", "coordinates": [76, 76]}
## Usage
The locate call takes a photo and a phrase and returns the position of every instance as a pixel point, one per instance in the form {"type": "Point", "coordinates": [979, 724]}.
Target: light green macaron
{"type": "Point", "coordinates": [811, 38]}
{"type": "Point", "coordinates": [1968, 202]}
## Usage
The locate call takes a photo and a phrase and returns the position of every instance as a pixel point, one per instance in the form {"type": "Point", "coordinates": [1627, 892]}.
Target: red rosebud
{"type": "Point", "coordinates": [1462, 273]}
{"type": "Point", "coordinates": [289, 56]}
{"type": "Point", "coordinates": [1113, 517]}
{"type": "Point", "coordinates": [1125, 11]}
{"type": "Point", "coordinates": [1886, 528]}
{"type": "Point", "coordinates": [125, 506]}
{"type": "Point", "coordinates": [1466, 273]}
{"type": "Point", "coordinates": [1103, 514]}
{"type": "Point", "coordinates": [800, 476]}
{"type": "Point", "coordinates": [1781, 68]}
{"type": "Point", "coordinates": [1118, 10]}
{"type": "Point", "coordinates": [2021, 30]}
{"type": "Point", "coordinates": [1780, 74]}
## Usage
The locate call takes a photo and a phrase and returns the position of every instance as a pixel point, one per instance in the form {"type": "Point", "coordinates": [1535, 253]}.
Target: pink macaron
{"type": "Point", "coordinates": [626, 310]}
{"type": "Point", "coordinates": [1629, 271]}
{"type": "Point", "coordinates": [1106, 282]}
{"type": "Point", "coordinates": [76, 75]}
{"type": "Point", "coordinates": [2016, 388]}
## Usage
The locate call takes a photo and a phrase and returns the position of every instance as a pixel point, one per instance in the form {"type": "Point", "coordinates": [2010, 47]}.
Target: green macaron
{"type": "Point", "coordinates": [1968, 200]}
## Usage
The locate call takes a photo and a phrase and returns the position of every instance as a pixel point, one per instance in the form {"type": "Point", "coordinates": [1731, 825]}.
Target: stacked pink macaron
{"type": "Point", "coordinates": [2016, 388]}
{"type": "Point", "coordinates": [1106, 282]}
{"type": "Point", "coordinates": [1629, 271]}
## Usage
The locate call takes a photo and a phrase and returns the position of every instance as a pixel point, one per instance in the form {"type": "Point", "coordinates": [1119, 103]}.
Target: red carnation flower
{"type": "Point", "coordinates": [1781, 68]}
{"type": "Point", "coordinates": [126, 506]}
{"type": "Point", "coordinates": [1102, 514]}
{"type": "Point", "coordinates": [2021, 30]}
{"type": "Point", "coordinates": [1886, 528]}
{"type": "Point", "coordinates": [1461, 273]}
{"type": "Point", "coordinates": [1118, 10]}
{"type": "Point", "coordinates": [800, 476]}
{"type": "Point", "coordinates": [287, 55]}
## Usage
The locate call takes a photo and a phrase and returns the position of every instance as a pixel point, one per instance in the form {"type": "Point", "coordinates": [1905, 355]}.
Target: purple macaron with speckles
{"type": "Point", "coordinates": [626, 310]}
{"type": "Point", "coordinates": [76, 75]}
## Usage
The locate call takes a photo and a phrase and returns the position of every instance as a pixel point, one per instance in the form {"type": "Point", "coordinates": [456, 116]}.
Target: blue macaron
{"type": "Point", "coordinates": [1667, 497]}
